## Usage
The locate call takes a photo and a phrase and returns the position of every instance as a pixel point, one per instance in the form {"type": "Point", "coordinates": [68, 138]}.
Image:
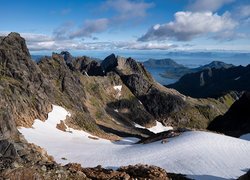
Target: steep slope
{"type": "Point", "coordinates": [214, 82]}
{"type": "Point", "coordinates": [24, 91]}
{"type": "Point", "coordinates": [236, 121]}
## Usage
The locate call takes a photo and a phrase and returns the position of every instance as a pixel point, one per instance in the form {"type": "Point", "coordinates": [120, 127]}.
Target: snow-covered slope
{"type": "Point", "coordinates": [200, 155]}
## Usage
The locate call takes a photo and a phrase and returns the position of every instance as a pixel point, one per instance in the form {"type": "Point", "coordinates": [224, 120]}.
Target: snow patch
{"type": "Point", "coordinates": [200, 155]}
{"type": "Point", "coordinates": [139, 126]}
{"type": "Point", "coordinates": [86, 74]}
{"type": "Point", "coordinates": [118, 89]}
{"type": "Point", "coordinates": [116, 110]}
{"type": "Point", "coordinates": [156, 129]}
{"type": "Point", "coordinates": [159, 128]}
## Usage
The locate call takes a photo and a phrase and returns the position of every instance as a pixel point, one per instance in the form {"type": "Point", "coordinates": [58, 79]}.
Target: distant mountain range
{"type": "Point", "coordinates": [214, 82]}
{"type": "Point", "coordinates": [176, 71]}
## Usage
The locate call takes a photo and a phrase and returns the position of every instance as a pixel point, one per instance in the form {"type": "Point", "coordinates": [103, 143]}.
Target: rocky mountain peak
{"type": "Point", "coordinates": [109, 63]}
{"type": "Point", "coordinates": [67, 56]}
{"type": "Point", "coordinates": [16, 42]}
{"type": "Point", "coordinates": [25, 91]}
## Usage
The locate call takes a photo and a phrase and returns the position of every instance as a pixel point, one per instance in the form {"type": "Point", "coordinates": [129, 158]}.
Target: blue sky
{"type": "Point", "coordinates": [77, 25]}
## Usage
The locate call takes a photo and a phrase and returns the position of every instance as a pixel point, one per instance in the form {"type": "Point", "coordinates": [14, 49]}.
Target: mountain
{"type": "Point", "coordinates": [174, 70]}
{"type": "Point", "coordinates": [216, 65]}
{"type": "Point", "coordinates": [109, 100]}
{"type": "Point", "coordinates": [162, 63]}
{"type": "Point", "coordinates": [236, 121]}
{"type": "Point", "coordinates": [214, 82]}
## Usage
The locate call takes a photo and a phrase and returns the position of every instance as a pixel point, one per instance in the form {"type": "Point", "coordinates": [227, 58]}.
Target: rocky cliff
{"type": "Point", "coordinates": [236, 121]}
{"type": "Point", "coordinates": [25, 92]}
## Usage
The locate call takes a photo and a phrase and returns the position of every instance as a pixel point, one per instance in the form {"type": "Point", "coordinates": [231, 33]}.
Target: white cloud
{"type": "Point", "coordinates": [31, 37]}
{"type": "Point", "coordinates": [188, 25]}
{"type": "Point", "coordinates": [90, 27]}
{"type": "Point", "coordinates": [207, 5]}
{"type": "Point", "coordinates": [40, 42]}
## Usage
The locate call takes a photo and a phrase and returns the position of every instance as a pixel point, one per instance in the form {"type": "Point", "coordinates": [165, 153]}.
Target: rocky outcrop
{"type": "Point", "coordinates": [88, 66]}
{"type": "Point", "coordinates": [236, 121]}
{"type": "Point", "coordinates": [138, 171]}
{"type": "Point", "coordinates": [109, 63]}
{"type": "Point", "coordinates": [25, 92]}
{"type": "Point", "coordinates": [158, 103]}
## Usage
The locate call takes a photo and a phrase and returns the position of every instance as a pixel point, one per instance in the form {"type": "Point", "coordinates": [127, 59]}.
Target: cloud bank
{"type": "Point", "coordinates": [188, 25]}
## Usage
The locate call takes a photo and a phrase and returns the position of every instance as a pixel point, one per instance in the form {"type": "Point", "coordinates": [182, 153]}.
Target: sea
{"type": "Point", "coordinates": [191, 59]}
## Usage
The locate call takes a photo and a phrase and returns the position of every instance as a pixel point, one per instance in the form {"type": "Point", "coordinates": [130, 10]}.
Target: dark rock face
{"type": "Point", "coordinates": [130, 111]}
{"type": "Point", "coordinates": [157, 103]}
{"type": "Point", "coordinates": [137, 84]}
{"type": "Point", "coordinates": [160, 104]}
{"type": "Point", "coordinates": [236, 121]}
{"type": "Point", "coordinates": [86, 65]}
{"type": "Point", "coordinates": [109, 63]}
{"type": "Point", "coordinates": [214, 82]}
{"type": "Point", "coordinates": [7, 150]}
{"type": "Point", "coordinates": [67, 57]}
